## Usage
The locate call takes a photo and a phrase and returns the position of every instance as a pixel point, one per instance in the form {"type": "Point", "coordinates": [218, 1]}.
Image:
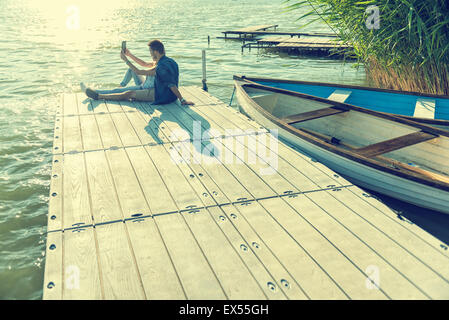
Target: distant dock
{"type": "Point", "coordinates": [141, 208]}
{"type": "Point", "coordinates": [307, 43]}
{"type": "Point", "coordinates": [250, 33]}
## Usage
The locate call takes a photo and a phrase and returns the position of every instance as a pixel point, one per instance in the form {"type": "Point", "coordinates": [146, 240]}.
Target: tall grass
{"type": "Point", "coordinates": [409, 50]}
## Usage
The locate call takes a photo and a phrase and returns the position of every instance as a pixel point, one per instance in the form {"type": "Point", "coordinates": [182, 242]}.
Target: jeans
{"type": "Point", "coordinates": [128, 75]}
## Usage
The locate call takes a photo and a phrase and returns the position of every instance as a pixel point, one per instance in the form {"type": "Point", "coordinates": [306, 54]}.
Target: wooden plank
{"type": "Point", "coordinates": [276, 39]}
{"type": "Point", "coordinates": [58, 137]}
{"type": "Point", "coordinates": [291, 213]}
{"type": "Point", "coordinates": [84, 104]}
{"type": "Point", "coordinates": [394, 144]}
{"type": "Point", "coordinates": [170, 127]}
{"type": "Point", "coordinates": [76, 206]}
{"type": "Point", "coordinates": [110, 106]}
{"type": "Point", "coordinates": [102, 191]}
{"type": "Point", "coordinates": [158, 124]}
{"type": "Point", "coordinates": [129, 192]}
{"type": "Point", "coordinates": [254, 28]}
{"type": "Point", "coordinates": [183, 194]}
{"type": "Point", "coordinates": [251, 261]}
{"type": "Point", "coordinates": [312, 47]}
{"type": "Point", "coordinates": [108, 133]}
{"type": "Point", "coordinates": [414, 258]}
{"type": "Point", "coordinates": [90, 133]}
{"type": "Point", "coordinates": [81, 272]}
{"type": "Point", "coordinates": [159, 277]}
{"type": "Point", "coordinates": [392, 219]}
{"type": "Point", "coordinates": [362, 244]}
{"type": "Point", "coordinates": [284, 280]}
{"type": "Point", "coordinates": [53, 281]}
{"type": "Point", "coordinates": [98, 107]}
{"type": "Point", "coordinates": [72, 140]}
{"type": "Point", "coordinates": [217, 178]}
{"type": "Point", "coordinates": [289, 33]}
{"type": "Point", "coordinates": [340, 95]}
{"type": "Point", "coordinates": [70, 104]}
{"type": "Point", "coordinates": [189, 96]}
{"type": "Point", "coordinates": [303, 271]}
{"type": "Point", "coordinates": [203, 185]}
{"type": "Point", "coordinates": [227, 118]}
{"type": "Point", "coordinates": [319, 176]}
{"type": "Point", "coordinates": [154, 188]}
{"type": "Point", "coordinates": [55, 208]}
{"type": "Point", "coordinates": [247, 177]}
{"type": "Point", "coordinates": [147, 128]}
{"type": "Point", "coordinates": [196, 275]}
{"type": "Point", "coordinates": [310, 115]}
{"type": "Point", "coordinates": [263, 162]}
{"type": "Point", "coordinates": [236, 280]}
{"type": "Point", "coordinates": [204, 96]}
{"type": "Point", "coordinates": [121, 278]}
{"type": "Point", "coordinates": [125, 130]}
{"type": "Point", "coordinates": [210, 125]}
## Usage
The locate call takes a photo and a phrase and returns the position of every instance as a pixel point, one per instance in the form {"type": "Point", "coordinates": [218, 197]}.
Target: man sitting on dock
{"type": "Point", "coordinates": [165, 71]}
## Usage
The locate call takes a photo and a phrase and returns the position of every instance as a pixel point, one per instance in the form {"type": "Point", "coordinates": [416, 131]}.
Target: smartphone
{"type": "Point", "coordinates": [123, 46]}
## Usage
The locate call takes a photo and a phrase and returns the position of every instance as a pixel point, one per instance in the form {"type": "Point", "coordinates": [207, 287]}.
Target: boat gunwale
{"type": "Point", "coordinates": [441, 122]}
{"type": "Point", "coordinates": [351, 155]}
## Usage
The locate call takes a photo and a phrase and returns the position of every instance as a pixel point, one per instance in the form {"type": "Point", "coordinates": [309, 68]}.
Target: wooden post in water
{"type": "Point", "coordinates": [204, 70]}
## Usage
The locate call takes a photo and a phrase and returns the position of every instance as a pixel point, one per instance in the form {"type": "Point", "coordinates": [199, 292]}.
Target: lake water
{"type": "Point", "coordinates": [48, 47]}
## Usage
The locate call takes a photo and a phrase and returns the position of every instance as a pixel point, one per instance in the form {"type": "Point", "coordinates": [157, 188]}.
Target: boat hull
{"type": "Point", "coordinates": [362, 175]}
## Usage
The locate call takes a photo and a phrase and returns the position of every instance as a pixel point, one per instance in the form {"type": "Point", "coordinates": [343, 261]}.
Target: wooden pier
{"type": "Point", "coordinates": [250, 33]}
{"type": "Point", "coordinates": [306, 45]}
{"type": "Point", "coordinates": [173, 202]}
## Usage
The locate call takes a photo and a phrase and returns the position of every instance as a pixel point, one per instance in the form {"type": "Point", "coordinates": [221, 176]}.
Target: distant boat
{"type": "Point", "coordinates": [381, 152]}
{"type": "Point", "coordinates": [424, 108]}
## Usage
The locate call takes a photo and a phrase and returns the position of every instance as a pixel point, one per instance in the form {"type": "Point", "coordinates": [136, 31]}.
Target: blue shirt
{"type": "Point", "coordinates": [167, 76]}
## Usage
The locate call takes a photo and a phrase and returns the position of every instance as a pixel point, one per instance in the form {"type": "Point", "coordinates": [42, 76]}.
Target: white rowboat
{"type": "Point", "coordinates": [381, 152]}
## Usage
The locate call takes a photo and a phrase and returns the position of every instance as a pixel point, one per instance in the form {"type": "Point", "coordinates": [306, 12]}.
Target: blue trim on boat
{"type": "Point", "coordinates": [395, 103]}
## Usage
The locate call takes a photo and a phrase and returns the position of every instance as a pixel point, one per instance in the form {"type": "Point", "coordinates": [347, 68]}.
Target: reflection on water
{"type": "Point", "coordinates": [51, 46]}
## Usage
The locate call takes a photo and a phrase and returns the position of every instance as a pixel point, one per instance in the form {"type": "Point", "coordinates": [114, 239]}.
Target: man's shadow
{"type": "Point", "coordinates": [193, 127]}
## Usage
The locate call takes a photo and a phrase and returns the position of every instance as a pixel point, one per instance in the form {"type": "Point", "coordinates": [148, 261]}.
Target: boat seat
{"type": "Point", "coordinates": [425, 108]}
{"type": "Point", "coordinates": [315, 114]}
{"type": "Point", "coordinates": [340, 95]}
{"type": "Point", "coordinates": [394, 144]}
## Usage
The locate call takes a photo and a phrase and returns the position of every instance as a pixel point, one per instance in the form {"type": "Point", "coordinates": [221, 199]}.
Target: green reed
{"type": "Point", "coordinates": [408, 51]}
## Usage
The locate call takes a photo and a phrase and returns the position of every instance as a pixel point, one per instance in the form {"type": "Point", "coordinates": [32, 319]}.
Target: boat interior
{"type": "Point", "coordinates": [394, 143]}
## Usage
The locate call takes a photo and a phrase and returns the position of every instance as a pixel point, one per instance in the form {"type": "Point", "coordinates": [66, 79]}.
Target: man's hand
{"type": "Point", "coordinates": [127, 52]}
{"type": "Point", "coordinates": [123, 56]}
{"type": "Point", "coordinates": [187, 103]}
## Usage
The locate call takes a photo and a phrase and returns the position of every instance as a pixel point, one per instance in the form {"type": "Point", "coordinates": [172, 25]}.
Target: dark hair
{"type": "Point", "coordinates": [156, 45]}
